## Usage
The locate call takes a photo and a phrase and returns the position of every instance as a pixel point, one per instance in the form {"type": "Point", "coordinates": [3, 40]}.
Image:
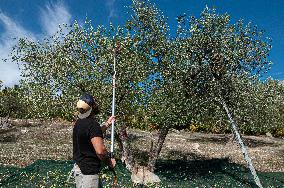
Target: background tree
{"type": "Point", "coordinates": [259, 107]}
{"type": "Point", "coordinates": [11, 103]}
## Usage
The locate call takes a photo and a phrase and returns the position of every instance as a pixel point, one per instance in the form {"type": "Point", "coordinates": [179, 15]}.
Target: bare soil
{"type": "Point", "coordinates": [53, 140]}
{"type": "Point", "coordinates": [267, 153]}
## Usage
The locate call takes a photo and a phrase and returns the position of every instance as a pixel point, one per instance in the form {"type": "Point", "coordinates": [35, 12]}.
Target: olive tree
{"type": "Point", "coordinates": [165, 103]}
{"type": "Point", "coordinates": [11, 103]}
{"type": "Point", "coordinates": [58, 69]}
{"type": "Point", "coordinates": [218, 53]}
{"type": "Point", "coordinates": [63, 68]}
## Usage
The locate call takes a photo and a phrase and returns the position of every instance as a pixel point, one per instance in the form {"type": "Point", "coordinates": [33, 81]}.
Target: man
{"type": "Point", "coordinates": [88, 145]}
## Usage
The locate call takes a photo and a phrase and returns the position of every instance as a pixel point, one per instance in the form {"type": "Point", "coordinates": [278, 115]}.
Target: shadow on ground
{"type": "Point", "coordinates": [173, 173]}
{"type": "Point", "coordinates": [227, 138]}
{"type": "Point", "coordinates": [212, 173]}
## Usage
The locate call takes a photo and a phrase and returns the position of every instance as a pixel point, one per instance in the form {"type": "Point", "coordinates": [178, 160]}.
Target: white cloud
{"type": "Point", "coordinates": [9, 71]}
{"type": "Point", "coordinates": [52, 15]}
{"type": "Point", "coordinates": [111, 8]}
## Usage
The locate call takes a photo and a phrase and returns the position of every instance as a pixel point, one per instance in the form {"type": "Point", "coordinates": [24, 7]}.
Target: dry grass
{"type": "Point", "coordinates": [53, 140]}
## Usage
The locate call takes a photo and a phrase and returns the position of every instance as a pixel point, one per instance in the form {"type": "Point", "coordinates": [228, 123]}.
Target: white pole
{"type": "Point", "coordinates": [242, 145]}
{"type": "Point", "coordinates": [113, 105]}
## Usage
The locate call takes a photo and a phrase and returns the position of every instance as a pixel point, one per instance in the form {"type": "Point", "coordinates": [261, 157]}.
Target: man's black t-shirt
{"type": "Point", "coordinates": [84, 153]}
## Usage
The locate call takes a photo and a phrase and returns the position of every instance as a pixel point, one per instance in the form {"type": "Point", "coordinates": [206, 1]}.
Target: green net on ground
{"type": "Point", "coordinates": [196, 173]}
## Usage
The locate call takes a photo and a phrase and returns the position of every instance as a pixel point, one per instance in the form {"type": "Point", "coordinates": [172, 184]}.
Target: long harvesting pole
{"type": "Point", "coordinates": [113, 104]}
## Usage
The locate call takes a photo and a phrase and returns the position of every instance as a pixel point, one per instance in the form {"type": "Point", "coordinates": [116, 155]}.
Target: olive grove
{"type": "Point", "coordinates": [207, 74]}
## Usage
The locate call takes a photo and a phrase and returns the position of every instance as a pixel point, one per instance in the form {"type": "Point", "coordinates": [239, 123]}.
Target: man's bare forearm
{"type": "Point", "coordinates": [101, 150]}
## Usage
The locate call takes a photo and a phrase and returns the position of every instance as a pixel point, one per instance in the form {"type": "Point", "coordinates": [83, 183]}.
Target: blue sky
{"type": "Point", "coordinates": [36, 18]}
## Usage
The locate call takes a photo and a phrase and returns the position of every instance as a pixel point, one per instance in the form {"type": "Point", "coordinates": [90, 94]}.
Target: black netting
{"type": "Point", "coordinates": [196, 173]}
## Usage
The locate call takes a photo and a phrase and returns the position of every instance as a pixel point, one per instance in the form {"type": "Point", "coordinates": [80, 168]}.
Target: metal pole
{"type": "Point", "coordinates": [242, 145]}
{"type": "Point", "coordinates": [113, 105]}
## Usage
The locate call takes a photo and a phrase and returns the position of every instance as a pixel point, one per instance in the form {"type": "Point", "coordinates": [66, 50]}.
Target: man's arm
{"type": "Point", "coordinates": [101, 151]}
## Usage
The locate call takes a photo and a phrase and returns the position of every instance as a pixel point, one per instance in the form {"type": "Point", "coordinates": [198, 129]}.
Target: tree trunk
{"type": "Point", "coordinates": [4, 123]}
{"type": "Point", "coordinates": [126, 154]}
{"type": "Point", "coordinates": [139, 174]}
{"type": "Point", "coordinates": [243, 148]}
{"type": "Point", "coordinates": [156, 149]}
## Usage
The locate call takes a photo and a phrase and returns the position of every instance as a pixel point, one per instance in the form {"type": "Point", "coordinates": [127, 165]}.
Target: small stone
{"type": "Point", "coordinates": [195, 146]}
{"type": "Point", "coordinates": [269, 134]}
{"type": "Point", "coordinates": [23, 131]}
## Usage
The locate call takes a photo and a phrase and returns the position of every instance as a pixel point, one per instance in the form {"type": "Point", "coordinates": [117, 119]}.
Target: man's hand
{"type": "Point", "coordinates": [110, 119]}
{"type": "Point", "coordinates": [105, 125]}
{"type": "Point", "coordinates": [112, 163]}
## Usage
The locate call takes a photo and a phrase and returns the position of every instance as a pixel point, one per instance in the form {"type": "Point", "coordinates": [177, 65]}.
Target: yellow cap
{"type": "Point", "coordinates": [82, 104]}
